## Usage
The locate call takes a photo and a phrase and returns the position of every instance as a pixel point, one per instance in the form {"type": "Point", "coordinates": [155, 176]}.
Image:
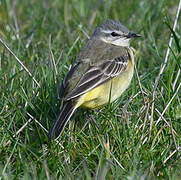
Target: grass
{"type": "Point", "coordinates": [136, 140]}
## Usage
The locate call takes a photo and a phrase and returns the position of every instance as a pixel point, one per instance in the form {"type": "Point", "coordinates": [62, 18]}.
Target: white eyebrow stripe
{"type": "Point", "coordinates": [110, 31]}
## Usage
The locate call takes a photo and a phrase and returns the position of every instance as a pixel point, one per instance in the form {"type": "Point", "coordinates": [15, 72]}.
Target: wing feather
{"type": "Point", "coordinates": [97, 75]}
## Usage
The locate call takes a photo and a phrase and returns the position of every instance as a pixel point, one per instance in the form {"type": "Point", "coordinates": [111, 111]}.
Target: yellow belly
{"type": "Point", "coordinates": [108, 91]}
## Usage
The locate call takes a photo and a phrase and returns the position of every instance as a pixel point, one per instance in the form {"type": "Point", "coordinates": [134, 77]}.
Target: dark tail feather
{"type": "Point", "coordinates": [68, 109]}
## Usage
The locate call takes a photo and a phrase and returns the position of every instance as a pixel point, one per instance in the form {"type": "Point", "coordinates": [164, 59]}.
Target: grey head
{"type": "Point", "coordinates": [114, 32]}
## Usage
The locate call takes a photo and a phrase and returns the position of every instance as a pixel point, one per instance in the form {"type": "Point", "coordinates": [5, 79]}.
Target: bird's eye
{"type": "Point", "coordinates": [114, 34]}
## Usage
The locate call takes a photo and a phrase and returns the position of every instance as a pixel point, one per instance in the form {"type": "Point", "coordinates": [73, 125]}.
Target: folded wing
{"type": "Point", "coordinates": [97, 75]}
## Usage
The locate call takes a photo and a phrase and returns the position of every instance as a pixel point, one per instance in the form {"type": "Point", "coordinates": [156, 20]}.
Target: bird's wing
{"type": "Point", "coordinates": [93, 76]}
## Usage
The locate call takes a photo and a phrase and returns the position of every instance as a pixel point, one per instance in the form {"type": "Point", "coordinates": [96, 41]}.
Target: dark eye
{"type": "Point", "coordinates": [114, 34]}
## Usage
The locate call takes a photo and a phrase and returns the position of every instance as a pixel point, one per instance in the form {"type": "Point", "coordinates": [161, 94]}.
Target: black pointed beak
{"type": "Point", "coordinates": [132, 35]}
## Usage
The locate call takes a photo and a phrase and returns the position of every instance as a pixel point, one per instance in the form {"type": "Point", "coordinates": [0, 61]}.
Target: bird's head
{"type": "Point", "coordinates": [114, 32]}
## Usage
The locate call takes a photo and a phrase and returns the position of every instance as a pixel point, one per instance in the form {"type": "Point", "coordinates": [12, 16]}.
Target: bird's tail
{"type": "Point", "coordinates": [68, 109]}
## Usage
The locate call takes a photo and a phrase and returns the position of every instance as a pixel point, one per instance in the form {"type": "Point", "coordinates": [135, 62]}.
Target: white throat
{"type": "Point", "coordinates": [124, 42]}
{"type": "Point", "coordinates": [121, 42]}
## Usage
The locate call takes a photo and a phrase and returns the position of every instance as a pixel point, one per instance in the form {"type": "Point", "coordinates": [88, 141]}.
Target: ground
{"type": "Point", "coordinates": [136, 137]}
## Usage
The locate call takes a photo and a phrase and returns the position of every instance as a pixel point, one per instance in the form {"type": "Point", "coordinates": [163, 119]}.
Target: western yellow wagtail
{"type": "Point", "coordinates": [100, 74]}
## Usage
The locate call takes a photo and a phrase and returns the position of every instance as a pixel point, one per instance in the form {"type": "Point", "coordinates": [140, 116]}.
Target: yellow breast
{"type": "Point", "coordinates": [108, 91]}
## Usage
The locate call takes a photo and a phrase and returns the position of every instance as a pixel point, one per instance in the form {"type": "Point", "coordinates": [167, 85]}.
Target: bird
{"type": "Point", "coordinates": [101, 72]}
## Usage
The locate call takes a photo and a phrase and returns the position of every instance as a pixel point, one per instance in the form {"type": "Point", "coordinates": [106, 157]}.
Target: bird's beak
{"type": "Point", "coordinates": [133, 35]}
